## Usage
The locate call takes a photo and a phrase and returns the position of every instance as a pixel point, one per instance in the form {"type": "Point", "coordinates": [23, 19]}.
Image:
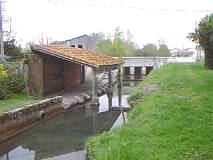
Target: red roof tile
{"type": "Point", "coordinates": [78, 55]}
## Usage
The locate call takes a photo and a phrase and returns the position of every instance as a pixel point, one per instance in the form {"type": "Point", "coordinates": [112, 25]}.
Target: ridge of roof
{"type": "Point", "coordinates": [85, 35]}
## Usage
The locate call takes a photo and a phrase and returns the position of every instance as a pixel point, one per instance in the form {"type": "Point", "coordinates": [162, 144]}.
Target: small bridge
{"type": "Point", "coordinates": [142, 65]}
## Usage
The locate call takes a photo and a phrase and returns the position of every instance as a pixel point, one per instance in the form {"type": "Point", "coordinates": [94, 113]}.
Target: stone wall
{"type": "Point", "coordinates": [20, 119]}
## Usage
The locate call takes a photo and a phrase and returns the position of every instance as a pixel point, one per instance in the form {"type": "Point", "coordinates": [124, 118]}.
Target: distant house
{"type": "Point", "coordinates": [177, 52]}
{"type": "Point", "coordinates": [83, 41]}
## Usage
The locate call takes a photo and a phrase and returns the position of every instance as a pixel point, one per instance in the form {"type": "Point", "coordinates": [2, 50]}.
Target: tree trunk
{"type": "Point", "coordinates": [208, 63]}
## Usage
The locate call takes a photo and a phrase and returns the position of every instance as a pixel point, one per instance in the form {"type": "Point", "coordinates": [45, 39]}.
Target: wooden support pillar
{"type": "Point", "coordinates": [82, 74]}
{"type": "Point", "coordinates": [109, 92]}
{"type": "Point", "coordinates": [35, 76]}
{"type": "Point", "coordinates": [132, 70]}
{"type": "Point", "coordinates": [119, 88]}
{"type": "Point", "coordinates": [94, 101]}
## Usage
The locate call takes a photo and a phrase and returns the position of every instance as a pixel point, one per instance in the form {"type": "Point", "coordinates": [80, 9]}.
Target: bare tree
{"type": "Point", "coordinates": [42, 40]}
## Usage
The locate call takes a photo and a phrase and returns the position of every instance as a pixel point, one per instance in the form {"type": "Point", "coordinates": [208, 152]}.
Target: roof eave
{"type": "Point", "coordinates": [39, 49]}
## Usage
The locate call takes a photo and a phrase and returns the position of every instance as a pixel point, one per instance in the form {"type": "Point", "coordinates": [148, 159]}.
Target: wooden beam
{"type": "Point", "coordinates": [95, 100]}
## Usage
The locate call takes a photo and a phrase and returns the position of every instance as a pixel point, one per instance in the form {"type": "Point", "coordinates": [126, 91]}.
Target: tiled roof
{"type": "Point", "coordinates": [78, 55]}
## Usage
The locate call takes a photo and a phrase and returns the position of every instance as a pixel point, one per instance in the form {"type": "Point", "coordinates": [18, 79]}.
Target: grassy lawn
{"type": "Point", "coordinates": [15, 101]}
{"type": "Point", "coordinates": [173, 123]}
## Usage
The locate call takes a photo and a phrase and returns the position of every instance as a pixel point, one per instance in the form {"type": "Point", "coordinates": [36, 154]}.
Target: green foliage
{"type": "Point", "coordinates": [12, 50]}
{"type": "Point", "coordinates": [205, 32]}
{"type": "Point", "coordinates": [163, 51]}
{"type": "Point", "coordinates": [151, 50]}
{"type": "Point", "coordinates": [15, 101]}
{"type": "Point", "coordinates": [4, 91]}
{"type": "Point", "coordinates": [11, 47]}
{"type": "Point", "coordinates": [100, 36]}
{"type": "Point", "coordinates": [118, 47]}
{"type": "Point", "coordinates": [15, 83]}
{"type": "Point", "coordinates": [122, 43]}
{"type": "Point", "coordinates": [105, 46]}
{"type": "Point", "coordinates": [10, 83]}
{"type": "Point", "coordinates": [174, 122]}
{"type": "Point", "coordinates": [204, 36]}
{"type": "Point", "coordinates": [110, 46]}
{"type": "Point", "coordinates": [3, 72]}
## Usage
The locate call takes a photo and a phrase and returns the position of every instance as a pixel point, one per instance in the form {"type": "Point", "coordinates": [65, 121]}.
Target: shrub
{"type": "Point", "coordinates": [4, 92]}
{"type": "Point", "coordinates": [204, 36]}
{"type": "Point", "coordinates": [15, 83]}
{"type": "Point", "coordinates": [3, 72]}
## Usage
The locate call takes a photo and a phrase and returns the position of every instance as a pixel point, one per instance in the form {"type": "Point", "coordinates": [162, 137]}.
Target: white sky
{"type": "Point", "coordinates": [148, 20]}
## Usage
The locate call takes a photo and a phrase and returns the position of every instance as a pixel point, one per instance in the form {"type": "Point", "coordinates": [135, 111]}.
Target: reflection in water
{"type": "Point", "coordinates": [133, 77]}
{"type": "Point", "coordinates": [104, 104]}
{"type": "Point", "coordinates": [129, 83]}
{"type": "Point", "coordinates": [62, 137]}
{"type": "Point", "coordinates": [59, 136]}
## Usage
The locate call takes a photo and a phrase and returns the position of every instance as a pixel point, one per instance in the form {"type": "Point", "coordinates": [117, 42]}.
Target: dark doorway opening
{"type": "Point", "coordinates": [138, 70]}
{"type": "Point", "coordinates": [149, 69]}
{"type": "Point", "coordinates": [126, 70]}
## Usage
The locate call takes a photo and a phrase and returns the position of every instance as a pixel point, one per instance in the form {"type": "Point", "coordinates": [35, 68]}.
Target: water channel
{"type": "Point", "coordinates": [63, 137]}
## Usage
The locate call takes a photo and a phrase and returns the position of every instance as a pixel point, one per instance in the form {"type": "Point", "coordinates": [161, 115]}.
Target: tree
{"type": "Point", "coordinates": [106, 45]}
{"type": "Point", "coordinates": [100, 36]}
{"type": "Point", "coordinates": [118, 49]}
{"type": "Point", "coordinates": [163, 51]}
{"type": "Point", "coordinates": [11, 47]}
{"type": "Point", "coordinates": [129, 46]}
{"type": "Point", "coordinates": [138, 53]}
{"type": "Point", "coordinates": [204, 36]}
{"type": "Point", "coordinates": [149, 50]}
{"type": "Point", "coordinates": [103, 45]}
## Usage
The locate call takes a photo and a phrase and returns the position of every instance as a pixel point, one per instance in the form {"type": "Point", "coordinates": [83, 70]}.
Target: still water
{"type": "Point", "coordinates": [63, 137]}
{"type": "Point", "coordinates": [59, 136]}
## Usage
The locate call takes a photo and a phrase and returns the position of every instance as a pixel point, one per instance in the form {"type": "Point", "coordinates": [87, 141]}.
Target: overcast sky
{"type": "Point", "coordinates": [148, 20]}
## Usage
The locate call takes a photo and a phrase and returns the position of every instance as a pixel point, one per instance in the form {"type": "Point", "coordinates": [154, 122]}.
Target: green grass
{"type": "Point", "coordinates": [173, 123]}
{"type": "Point", "coordinates": [15, 101]}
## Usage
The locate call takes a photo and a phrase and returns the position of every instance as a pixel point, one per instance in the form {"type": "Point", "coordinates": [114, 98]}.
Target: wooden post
{"type": "Point", "coordinates": [119, 88]}
{"type": "Point", "coordinates": [120, 93]}
{"type": "Point", "coordinates": [40, 81]}
{"type": "Point", "coordinates": [26, 78]}
{"type": "Point", "coordinates": [109, 92]}
{"type": "Point", "coordinates": [94, 101]}
{"type": "Point", "coordinates": [82, 74]}
{"type": "Point", "coordinates": [35, 76]}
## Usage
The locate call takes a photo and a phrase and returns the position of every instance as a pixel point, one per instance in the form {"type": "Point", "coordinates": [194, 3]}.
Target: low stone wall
{"type": "Point", "coordinates": [20, 119]}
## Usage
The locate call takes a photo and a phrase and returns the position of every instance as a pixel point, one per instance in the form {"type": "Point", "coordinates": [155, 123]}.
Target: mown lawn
{"type": "Point", "coordinates": [15, 101]}
{"type": "Point", "coordinates": [173, 123]}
